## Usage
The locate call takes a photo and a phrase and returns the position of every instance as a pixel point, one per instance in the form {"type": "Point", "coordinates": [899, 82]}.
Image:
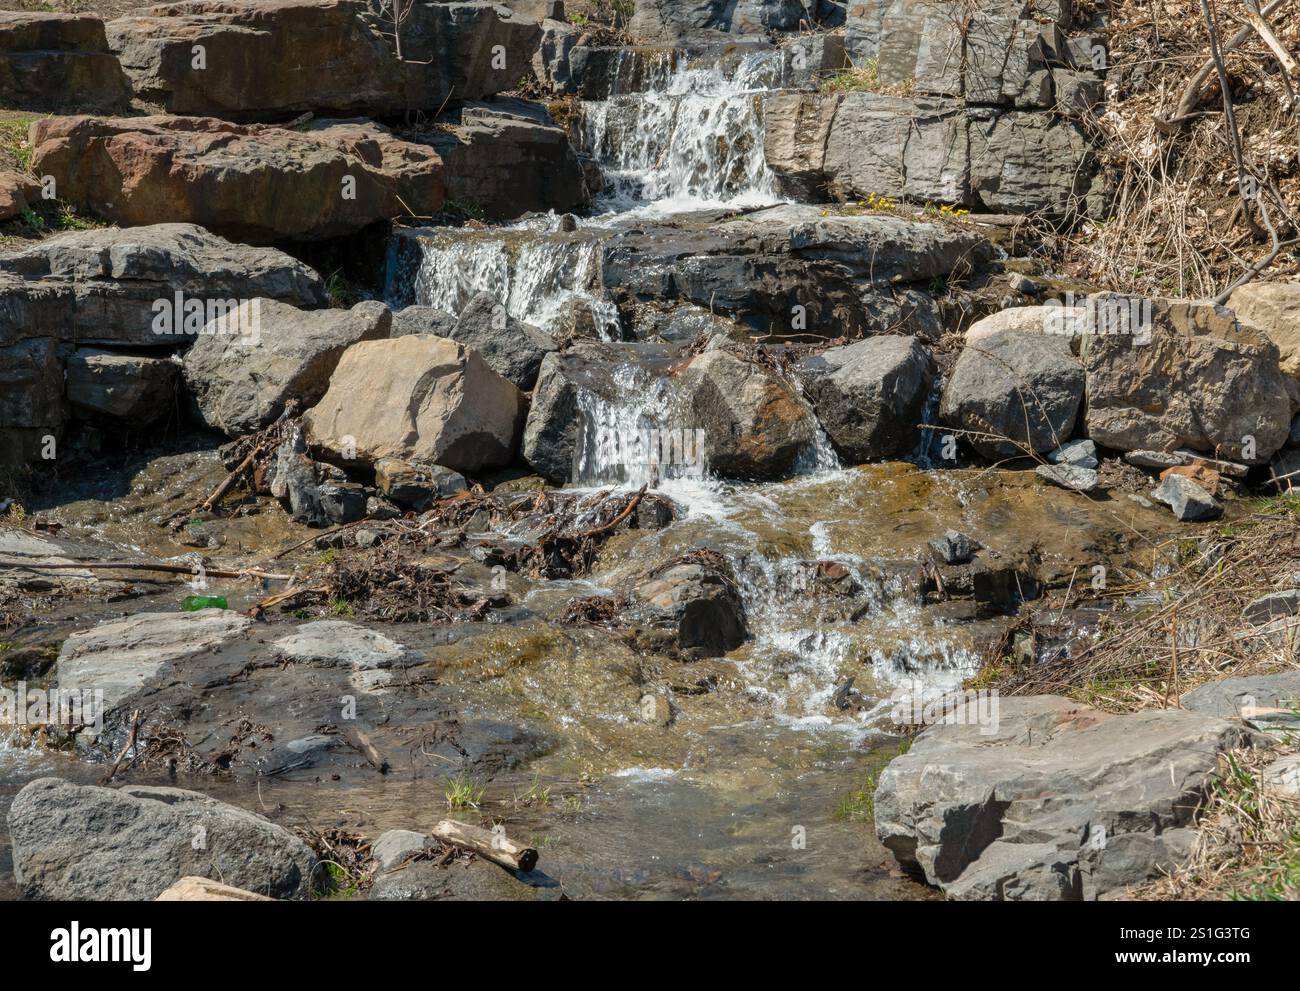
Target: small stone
{"type": "Point", "coordinates": [1024, 284]}
{"type": "Point", "coordinates": [1069, 476]}
{"type": "Point", "coordinates": [1080, 453]}
{"type": "Point", "coordinates": [379, 508]}
{"type": "Point", "coordinates": [1188, 500]}
{"type": "Point", "coordinates": [416, 485]}
{"type": "Point", "coordinates": [394, 846]}
{"type": "Point", "coordinates": [954, 547]}
{"type": "Point", "coordinates": [369, 538]}
{"type": "Point", "coordinates": [1157, 459]}
{"type": "Point", "coordinates": [1276, 605]}
{"type": "Point", "coordinates": [342, 502]}
{"type": "Point", "coordinates": [1215, 464]}
{"type": "Point", "coordinates": [1283, 776]}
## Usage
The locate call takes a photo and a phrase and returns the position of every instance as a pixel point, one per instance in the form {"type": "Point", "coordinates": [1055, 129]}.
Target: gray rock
{"type": "Point", "coordinates": [111, 286]}
{"type": "Point", "coordinates": [1188, 500]}
{"type": "Point", "coordinates": [134, 390]}
{"type": "Point", "coordinates": [1157, 459]}
{"type": "Point", "coordinates": [755, 423]}
{"type": "Point", "coordinates": [394, 846]}
{"type": "Point", "coordinates": [1026, 388]}
{"type": "Point", "coordinates": [870, 396]}
{"type": "Point", "coordinates": [696, 604]}
{"type": "Point", "coordinates": [423, 320]}
{"type": "Point", "coordinates": [513, 349]}
{"type": "Point", "coordinates": [954, 547]}
{"type": "Point", "coordinates": [342, 502]}
{"type": "Point", "coordinates": [241, 384]}
{"type": "Point", "coordinates": [1194, 379]}
{"type": "Point", "coordinates": [1269, 702]}
{"type": "Point", "coordinates": [1074, 477]}
{"type": "Point", "coordinates": [292, 479]}
{"type": "Point", "coordinates": [120, 656]}
{"type": "Point", "coordinates": [1024, 284]}
{"type": "Point", "coordinates": [32, 405]}
{"type": "Point", "coordinates": [1049, 799]}
{"type": "Point", "coordinates": [1081, 453]}
{"type": "Point", "coordinates": [507, 158]}
{"type": "Point", "coordinates": [1283, 776]}
{"type": "Point", "coordinates": [476, 880]}
{"type": "Point", "coordinates": [74, 842]}
{"type": "Point", "coordinates": [673, 21]}
{"type": "Point", "coordinates": [1276, 605]}
{"type": "Point", "coordinates": [416, 485]}
{"type": "Point", "coordinates": [297, 755]}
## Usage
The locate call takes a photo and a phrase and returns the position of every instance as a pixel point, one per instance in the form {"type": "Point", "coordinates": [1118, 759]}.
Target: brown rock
{"type": "Point", "coordinates": [253, 183]}
{"type": "Point", "coordinates": [17, 193]}
{"type": "Point", "coordinates": [53, 60]}
{"type": "Point", "coordinates": [422, 399]}
{"type": "Point", "coordinates": [202, 889]}
{"type": "Point", "coordinates": [1204, 476]}
{"type": "Point", "coordinates": [1273, 307]}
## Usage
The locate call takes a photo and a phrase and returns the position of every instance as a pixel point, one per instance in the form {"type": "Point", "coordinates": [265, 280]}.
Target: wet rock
{"type": "Point", "coordinates": [17, 194]}
{"type": "Point", "coordinates": [135, 390]}
{"type": "Point", "coordinates": [696, 602]}
{"type": "Point", "coordinates": [339, 644]}
{"type": "Point", "coordinates": [1275, 605]}
{"type": "Point", "coordinates": [786, 269]}
{"type": "Point", "coordinates": [1023, 387]}
{"type": "Point", "coordinates": [297, 755]}
{"type": "Point", "coordinates": [423, 320]}
{"type": "Point", "coordinates": [954, 547]}
{"type": "Point", "coordinates": [1079, 453]}
{"type": "Point", "coordinates": [418, 399]}
{"type": "Point", "coordinates": [104, 286]}
{"type": "Point", "coordinates": [32, 406]}
{"type": "Point", "coordinates": [1269, 702]}
{"type": "Point", "coordinates": [22, 548]}
{"type": "Point", "coordinates": [1188, 500]}
{"type": "Point", "coordinates": [254, 184]}
{"type": "Point", "coordinates": [417, 486]}
{"type": "Point", "coordinates": [1049, 799]}
{"type": "Point", "coordinates": [1068, 476]}
{"type": "Point", "coordinates": [119, 656]}
{"type": "Point", "coordinates": [48, 61]}
{"type": "Point", "coordinates": [292, 479]}
{"type": "Point", "coordinates": [755, 423]}
{"type": "Point", "coordinates": [513, 349]}
{"type": "Point", "coordinates": [565, 382]}
{"type": "Point", "coordinates": [1198, 380]}
{"type": "Point", "coordinates": [870, 396]}
{"type": "Point", "coordinates": [508, 157]}
{"type": "Point", "coordinates": [342, 502]}
{"type": "Point", "coordinates": [461, 880]}
{"type": "Point", "coordinates": [242, 382]}
{"type": "Point", "coordinates": [75, 842]}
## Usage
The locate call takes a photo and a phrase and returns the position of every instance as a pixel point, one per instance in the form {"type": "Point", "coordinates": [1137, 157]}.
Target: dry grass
{"type": "Point", "coordinates": [1249, 843]}
{"type": "Point", "coordinates": [1179, 226]}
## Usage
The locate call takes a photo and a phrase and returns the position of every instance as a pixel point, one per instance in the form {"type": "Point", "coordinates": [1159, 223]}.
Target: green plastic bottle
{"type": "Point", "coordinates": [193, 603]}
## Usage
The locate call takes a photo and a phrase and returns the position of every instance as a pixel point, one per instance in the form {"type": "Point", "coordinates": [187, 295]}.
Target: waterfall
{"type": "Point", "coordinates": [694, 140]}
{"type": "Point", "coordinates": [540, 276]}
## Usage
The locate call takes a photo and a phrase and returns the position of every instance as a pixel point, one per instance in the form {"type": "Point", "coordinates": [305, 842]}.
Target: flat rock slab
{"type": "Point", "coordinates": [18, 548]}
{"type": "Point", "coordinates": [119, 656]}
{"type": "Point", "coordinates": [1268, 702]}
{"type": "Point", "coordinates": [1049, 799]}
{"type": "Point", "coordinates": [82, 842]}
{"type": "Point", "coordinates": [339, 644]}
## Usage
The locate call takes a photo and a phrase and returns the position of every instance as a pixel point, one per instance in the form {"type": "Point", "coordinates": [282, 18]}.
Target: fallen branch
{"type": "Point", "coordinates": [490, 845]}
{"type": "Point", "coordinates": [171, 569]}
{"type": "Point", "coordinates": [228, 482]}
{"type": "Point", "coordinates": [627, 511]}
{"type": "Point", "coordinates": [130, 744]}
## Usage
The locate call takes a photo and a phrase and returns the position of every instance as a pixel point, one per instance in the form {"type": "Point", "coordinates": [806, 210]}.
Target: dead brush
{"type": "Point", "coordinates": [1248, 847]}
{"type": "Point", "coordinates": [1192, 630]}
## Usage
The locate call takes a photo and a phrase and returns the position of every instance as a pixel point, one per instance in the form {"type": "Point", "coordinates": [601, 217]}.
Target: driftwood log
{"type": "Point", "coordinates": [489, 845]}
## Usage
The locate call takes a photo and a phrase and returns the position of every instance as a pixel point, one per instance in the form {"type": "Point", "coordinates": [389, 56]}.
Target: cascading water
{"type": "Point", "coordinates": [694, 141]}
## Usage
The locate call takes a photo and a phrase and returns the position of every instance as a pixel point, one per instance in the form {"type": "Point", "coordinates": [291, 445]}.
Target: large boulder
{"type": "Point", "coordinates": [51, 60]}
{"type": "Point", "coordinates": [1014, 394]}
{"type": "Point", "coordinates": [506, 158]}
{"type": "Point", "coordinates": [130, 389]}
{"type": "Point", "coordinates": [146, 286]}
{"type": "Point", "coordinates": [674, 22]}
{"type": "Point", "coordinates": [1273, 307]}
{"type": "Point", "coordinates": [86, 843]}
{"type": "Point", "coordinates": [870, 396]}
{"type": "Point", "coordinates": [32, 407]}
{"type": "Point", "coordinates": [242, 383]}
{"type": "Point", "coordinates": [755, 423]}
{"type": "Point", "coordinates": [513, 349]}
{"type": "Point", "coordinates": [1193, 377]}
{"type": "Point", "coordinates": [1042, 798]}
{"type": "Point", "coordinates": [424, 399]}
{"type": "Point", "coordinates": [251, 183]}
{"type": "Point", "coordinates": [268, 59]}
